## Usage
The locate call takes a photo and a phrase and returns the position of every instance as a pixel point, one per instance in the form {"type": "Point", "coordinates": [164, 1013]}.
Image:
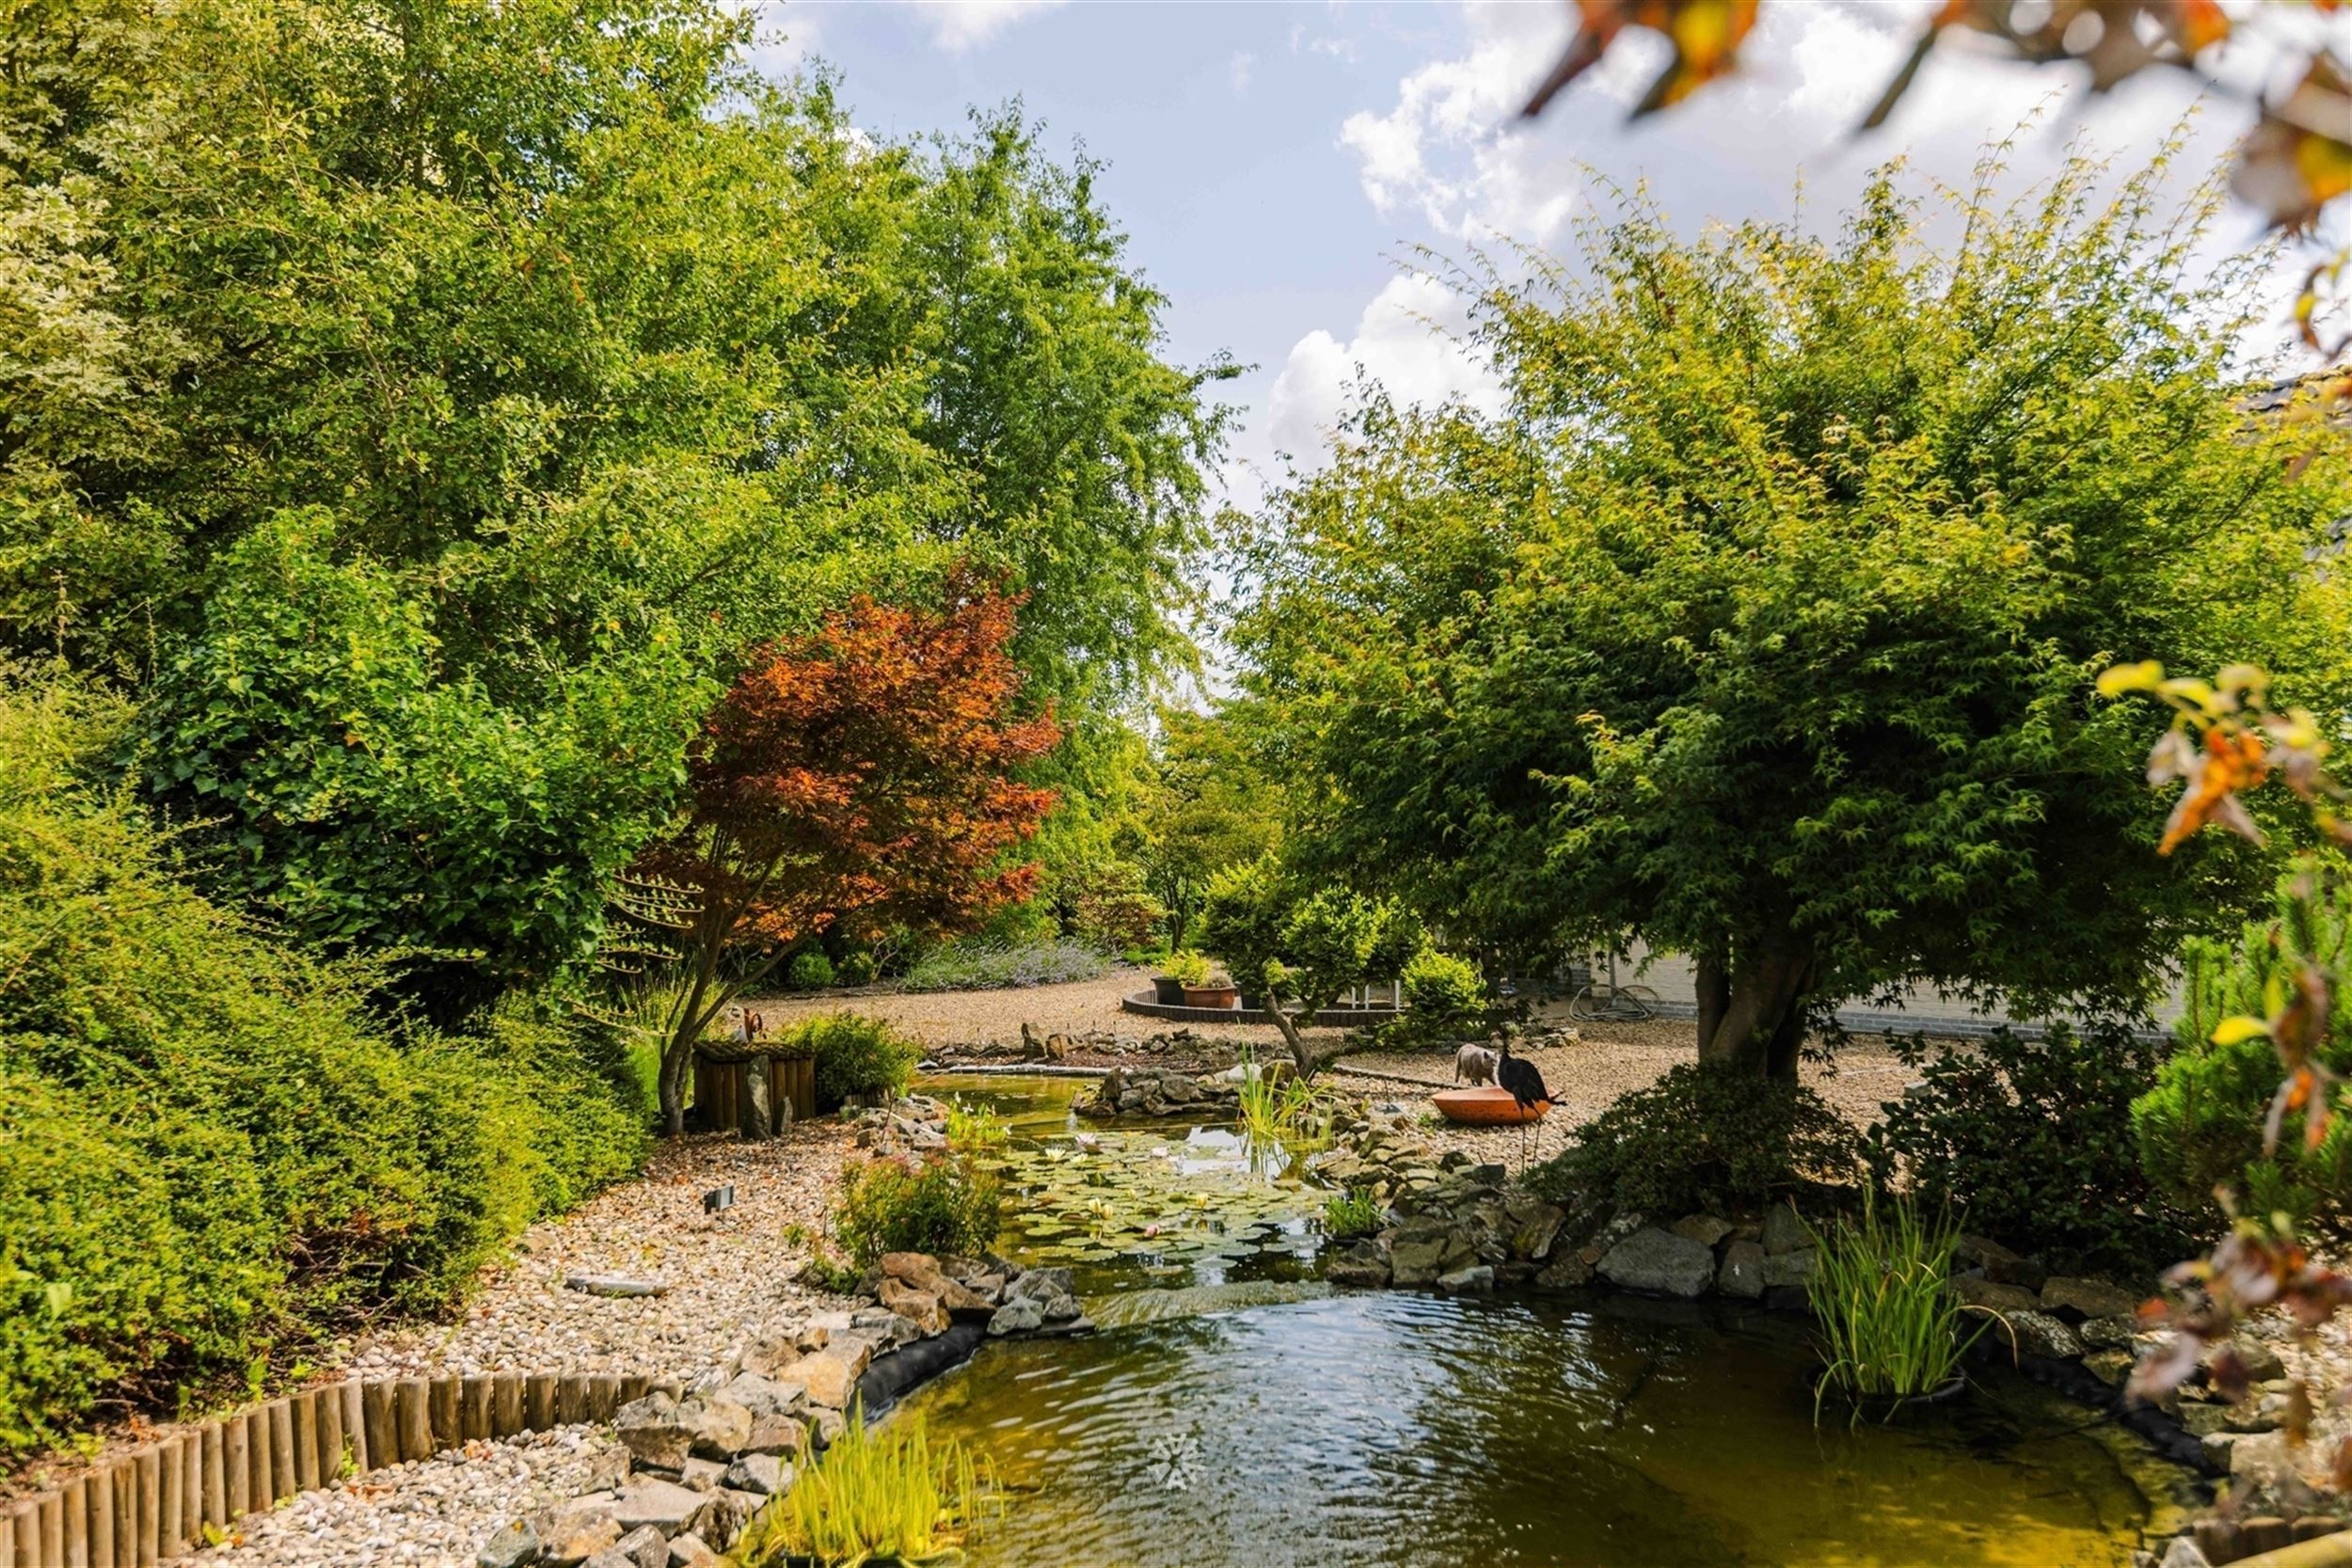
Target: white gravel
{"type": "Point", "coordinates": [730, 1275]}
{"type": "Point", "coordinates": [432, 1514]}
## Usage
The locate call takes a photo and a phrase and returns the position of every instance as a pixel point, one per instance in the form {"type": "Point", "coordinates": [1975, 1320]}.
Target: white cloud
{"type": "Point", "coordinates": [1244, 63]}
{"type": "Point", "coordinates": [1407, 342]}
{"type": "Point", "coordinates": [959, 24]}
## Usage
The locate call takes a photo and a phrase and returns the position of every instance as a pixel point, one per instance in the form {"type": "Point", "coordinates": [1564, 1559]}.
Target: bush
{"type": "Point", "coordinates": [975, 964]}
{"type": "Point", "coordinates": [941, 1205]}
{"type": "Point", "coordinates": [215, 1151]}
{"type": "Point", "coordinates": [1700, 1139]}
{"type": "Point", "coordinates": [856, 1054]}
{"type": "Point", "coordinates": [2199, 1123]}
{"type": "Point", "coordinates": [1243, 916]}
{"type": "Point", "coordinates": [809, 971]}
{"type": "Point", "coordinates": [2030, 1143]}
{"type": "Point", "coordinates": [856, 969]}
{"type": "Point", "coordinates": [1188, 968]}
{"type": "Point", "coordinates": [1442, 989]}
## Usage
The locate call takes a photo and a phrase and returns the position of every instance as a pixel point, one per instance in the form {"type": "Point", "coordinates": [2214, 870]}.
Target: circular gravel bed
{"type": "Point", "coordinates": [433, 1513]}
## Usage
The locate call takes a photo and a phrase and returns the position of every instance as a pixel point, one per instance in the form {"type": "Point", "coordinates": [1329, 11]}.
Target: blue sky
{"type": "Point", "coordinates": [1274, 164]}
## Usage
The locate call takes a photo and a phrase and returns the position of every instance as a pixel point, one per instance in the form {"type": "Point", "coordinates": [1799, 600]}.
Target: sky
{"type": "Point", "coordinates": [1280, 170]}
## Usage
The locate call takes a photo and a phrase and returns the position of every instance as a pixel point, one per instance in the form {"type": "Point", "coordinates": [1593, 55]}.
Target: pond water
{"type": "Point", "coordinates": [1234, 1412]}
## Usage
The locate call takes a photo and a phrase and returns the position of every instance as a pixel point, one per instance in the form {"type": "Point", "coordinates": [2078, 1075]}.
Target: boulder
{"type": "Point", "coordinates": [643, 1547]}
{"type": "Point", "coordinates": [718, 1426]}
{"type": "Point", "coordinates": [1789, 1268]}
{"type": "Point", "coordinates": [702, 1475]}
{"type": "Point", "coordinates": [830, 1375]}
{"type": "Point", "coordinates": [761, 1474]}
{"type": "Point", "coordinates": [2109, 1333]}
{"type": "Point", "coordinates": [765, 1357]}
{"type": "Point", "coordinates": [1038, 1285]}
{"type": "Point", "coordinates": [2039, 1334]}
{"type": "Point", "coordinates": [1492, 1174]}
{"type": "Point", "coordinates": [1706, 1229]}
{"type": "Point", "coordinates": [1659, 1261]}
{"type": "Point", "coordinates": [663, 1504]}
{"type": "Point", "coordinates": [1975, 1290]}
{"type": "Point", "coordinates": [763, 1395]}
{"type": "Point", "coordinates": [2110, 1367]}
{"type": "Point", "coordinates": [1783, 1230]}
{"type": "Point", "coordinates": [2000, 1265]}
{"type": "Point", "coordinates": [919, 1307]}
{"type": "Point", "coordinates": [1477, 1279]}
{"type": "Point", "coordinates": [1564, 1273]}
{"type": "Point", "coordinates": [513, 1545]}
{"type": "Point", "coordinates": [652, 1431]}
{"type": "Point", "coordinates": [1534, 1233]}
{"type": "Point", "coordinates": [1362, 1264]}
{"type": "Point", "coordinates": [2076, 1299]}
{"type": "Point", "coordinates": [724, 1515]}
{"type": "Point", "coordinates": [1741, 1274]}
{"type": "Point", "coordinates": [784, 1435]}
{"type": "Point", "coordinates": [2260, 1455]}
{"type": "Point", "coordinates": [574, 1531]}
{"type": "Point", "coordinates": [2260, 1360]}
{"type": "Point", "coordinates": [1016, 1317]}
{"type": "Point", "coordinates": [690, 1551]}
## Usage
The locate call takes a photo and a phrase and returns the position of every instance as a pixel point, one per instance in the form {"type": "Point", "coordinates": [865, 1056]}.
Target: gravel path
{"type": "Point", "coordinates": [432, 1514]}
{"type": "Point", "coordinates": [730, 1274]}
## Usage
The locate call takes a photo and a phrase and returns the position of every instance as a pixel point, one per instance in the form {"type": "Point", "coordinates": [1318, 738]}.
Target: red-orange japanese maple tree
{"type": "Point", "coordinates": [858, 778]}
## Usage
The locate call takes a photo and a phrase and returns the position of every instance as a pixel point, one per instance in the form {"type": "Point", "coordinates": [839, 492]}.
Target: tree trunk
{"type": "Point", "coordinates": [1306, 1058]}
{"type": "Point", "coordinates": [1751, 1009]}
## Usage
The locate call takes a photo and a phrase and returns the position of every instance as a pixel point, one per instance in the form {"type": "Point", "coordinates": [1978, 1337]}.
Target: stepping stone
{"type": "Point", "coordinates": [614, 1285]}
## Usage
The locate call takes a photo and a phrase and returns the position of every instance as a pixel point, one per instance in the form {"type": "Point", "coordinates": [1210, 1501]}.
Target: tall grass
{"type": "Point", "coordinates": [886, 1495]}
{"type": "Point", "coordinates": [1288, 1113]}
{"type": "Point", "coordinates": [973, 1128]}
{"type": "Point", "coordinates": [1349, 1215]}
{"type": "Point", "coordinates": [1890, 1328]}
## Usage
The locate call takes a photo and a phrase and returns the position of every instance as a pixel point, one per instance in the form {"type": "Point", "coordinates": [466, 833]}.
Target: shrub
{"type": "Point", "coordinates": [856, 1054]}
{"type": "Point", "coordinates": [976, 964]}
{"type": "Point", "coordinates": [1242, 917]}
{"type": "Point", "coordinates": [875, 1496]}
{"type": "Point", "coordinates": [2200, 1124]}
{"type": "Point", "coordinates": [1188, 968]}
{"type": "Point", "coordinates": [940, 1205]}
{"type": "Point", "coordinates": [1700, 1138]}
{"type": "Point", "coordinates": [1443, 989]}
{"type": "Point", "coordinates": [856, 969]}
{"type": "Point", "coordinates": [2030, 1143]}
{"type": "Point", "coordinates": [1880, 1292]}
{"type": "Point", "coordinates": [809, 971]}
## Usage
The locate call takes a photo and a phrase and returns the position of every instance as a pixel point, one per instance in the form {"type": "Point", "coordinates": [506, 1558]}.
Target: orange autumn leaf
{"type": "Point", "coordinates": [2231, 761]}
{"type": "Point", "coordinates": [1706, 36]}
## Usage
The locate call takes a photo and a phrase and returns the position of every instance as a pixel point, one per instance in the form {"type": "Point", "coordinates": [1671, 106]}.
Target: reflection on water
{"type": "Point", "coordinates": [1268, 1422]}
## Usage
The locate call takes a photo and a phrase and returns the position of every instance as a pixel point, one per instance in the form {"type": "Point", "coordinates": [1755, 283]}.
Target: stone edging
{"type": "Point", "coordinates": [1176, 1013]}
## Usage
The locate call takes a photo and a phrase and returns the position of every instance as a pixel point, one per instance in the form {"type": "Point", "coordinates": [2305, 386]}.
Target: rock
{"type": "Point", "coordinates": [1489, 1175]}
{"type": "Point", "coordinates": [702, 1475]}
{"type": "Point", "coordinates": [663, 1504]}
{"type": "Point", "coordinates": [763, 1395]}
{"type": "Point", "coordinates": [2182, 1553]}
{"type": "Point", "coordinates": [1789, 1268]}
{"type": "Point", "coordinates": [762, 1474]}
{"type": "Point", "coordinates": [513, 1545]}
{"type": "Point", "coordinates": [786, 1436]}
{"type": "Point", "coordinates": [2260, 1455]}
{"type": "Point", "coordinates": [1016, 1317]}
{"type": "Point", "coordinates": [830, 1376]}
{"type": "Point", "coordinates": [645, 1546]}
{"type": "Point", "coordinates": [2076, 1299]}
{"type": "Point", "coordinates": [2108, 1333]}
{"type": "Point", "coordinates": [919, 1307]}
{"type": "Point", "coordinates": [1532, 1237]}
{"type": "Point", "coordinates": [2203, 1421]}
{"type": "Point", "coordinates": [1039, 1284]}
{"type": "Point", "coordinates": [614, 1285]}
{"type": "Point", "coordinates": [723, 1517]}
{"type": "Point", "coordinates": [2000, 1265]}
{"type": "Point", "coordinates": [1706, 1229]}
{"type": "Point", "coordinates": [2261, 1362]}
{"type": "Point", "coordinates": [1783, 1230]}
{"type": "Point", "coordinates": [1742, 1271]}
{"type": "Point", "coordinates": [1362, 1265]}
{"type": "Point", "coordinates": [577, 1530]}
{"type": "Point", "coordinates": [1971, 1290]}
{"type": "Point", "coordinates": [917, 1269]}
{"type": "Point", "coordinates": [1564, 1273]}
{"type": "Point", "coordinates": [650, 1429]}
{"type": "Point", "coordinates": [2039, 1334]}
{"type": "Point", "coordinates": [689, 1551]}
{"type": "Point", "coordinates": [825, 1426]}
{"type": "Point", "coordinates": [2110, 1367]}
{"type": "Point", "coordinates": [1661, 1261]}
{"type": "Point", "coordinates": [1478, 1279]}
{"type": "Point", "coordinates": [767, 1357]}
{"type": "Point", "coordinates": [719, 1427]}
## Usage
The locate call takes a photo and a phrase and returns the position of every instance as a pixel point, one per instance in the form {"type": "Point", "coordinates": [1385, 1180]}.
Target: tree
{"type": "Point", "coordinates": [1208, 807]}
{"type": "Point", "coordinates": [1296, 948]}
{"type": "Point", "coordinates": [558, 356]}
{"type": "Point", "coordinates": [1763, 624]}
{"type": "Point", "coordinates": [857, 778]}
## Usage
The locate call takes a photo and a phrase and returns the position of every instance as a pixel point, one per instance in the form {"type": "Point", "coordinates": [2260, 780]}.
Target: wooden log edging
{"type": "Point", "coordinates": [167, 1499]}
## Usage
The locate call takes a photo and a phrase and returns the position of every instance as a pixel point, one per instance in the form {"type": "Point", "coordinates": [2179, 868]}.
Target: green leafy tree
{"type": "Point", "coordinates": [1763, 624]}
{"type": "Point", "coordinates": [1207, 806]}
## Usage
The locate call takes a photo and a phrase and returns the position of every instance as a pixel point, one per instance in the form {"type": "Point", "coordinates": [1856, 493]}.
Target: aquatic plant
{"type": "Point", "coordinates": [942, 1204]}
{"type": "Point", "coordinates": [877, 1495]}
{"type": "Point", "coordinates": [1890, 1328]}
{"type": "Point", "coordinates": [975, 1127]}
{"type": "Point", "coordinates": [1349, 1215]}
{"type": "Point", "coordinates": [1278, 1110]}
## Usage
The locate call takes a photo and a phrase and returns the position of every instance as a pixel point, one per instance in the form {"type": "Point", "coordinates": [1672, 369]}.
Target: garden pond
{"type": "Point", "coordinates": [1236, 1411]}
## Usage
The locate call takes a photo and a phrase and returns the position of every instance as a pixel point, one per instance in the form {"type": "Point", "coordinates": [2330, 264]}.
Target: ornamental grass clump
{"type": "Point", "coordinates": [1890, 1329]}
{"type": "Point", "coordinates": [1349, 1215]}
{"type": "Point", "coordinates": [887, 1495]}
{"type": "Point", "coordinates": [1282, 1111]}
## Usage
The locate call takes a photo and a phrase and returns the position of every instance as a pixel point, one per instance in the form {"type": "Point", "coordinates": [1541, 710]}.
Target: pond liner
{"type": "Point", "coordinates": [2084, 1386]}
{"type": "Point", "coordinates": [889, 1378]}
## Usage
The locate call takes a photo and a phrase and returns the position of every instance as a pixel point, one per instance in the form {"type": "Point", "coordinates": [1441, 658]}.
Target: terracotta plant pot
{"type": "Point", "coordinates": [1211, 997]}
{"type": "Point", "coordinates": [1167, 990]}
